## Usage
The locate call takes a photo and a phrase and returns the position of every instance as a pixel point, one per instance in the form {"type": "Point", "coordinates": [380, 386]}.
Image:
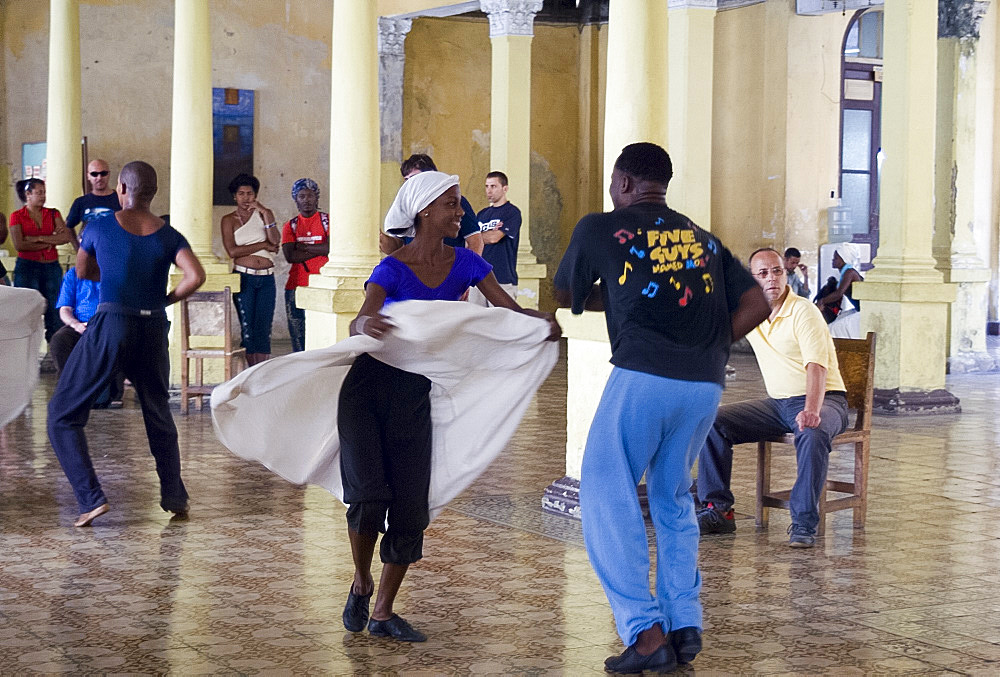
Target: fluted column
{"type": "Point", "coordinates": [333, 297]}
{"type": "Point", "coordinates": [904, 299]}
{"type": "Point", "coordinates": [191, 154]}
{"type": "Point", "coordinates": [391, 70]}
{"type": "Point", "coordinates": [64, 153]}
{"type": "Point", "coordinates": [966, 73]}
{"type": "Point", "coordinates": [511, 32]}
{"type": "Point", "coordinates": [689, 107]}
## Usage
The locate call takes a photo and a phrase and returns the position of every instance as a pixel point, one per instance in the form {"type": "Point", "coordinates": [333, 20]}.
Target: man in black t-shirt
{"type": "Point", "coordinates": [674, 300]}
{"type": "Point", "coordinates": [500, 225]}
{"type": "Point", "coordinates": [100, 200]}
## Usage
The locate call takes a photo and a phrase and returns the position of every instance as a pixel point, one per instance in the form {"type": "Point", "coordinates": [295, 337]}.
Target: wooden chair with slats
{"type": "Point", "coordinates": [206, 317]}
{"type": "Point", "coordinates": [857, 366]}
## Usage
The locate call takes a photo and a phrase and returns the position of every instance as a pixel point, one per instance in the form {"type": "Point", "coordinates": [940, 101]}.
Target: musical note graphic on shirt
{"type": "Point", "coordinates": [659, 221]}
{"type": "Point", "coordinates": [623, 236]}
{"type": "Point", "coordinates": [624, 276]}
{"type": "Point", "coordinates": [677, 285]}
{"type": "Point", "coordinates": [709, 283]}
{"type": "Point", "coordinates": [640, 253]}
{"type": "Point", "coordinates": [651, 290]}
{"type": "Point", "coordinates": [714, 247]}
{"type": "Point", "coordinates": [684, 299]}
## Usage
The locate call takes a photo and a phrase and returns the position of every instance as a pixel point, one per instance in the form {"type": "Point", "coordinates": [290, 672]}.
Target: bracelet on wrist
{"type": "Point", "coordinates": [271, 225]}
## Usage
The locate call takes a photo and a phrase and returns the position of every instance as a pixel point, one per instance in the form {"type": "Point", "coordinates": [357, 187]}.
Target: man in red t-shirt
{"type": "Point", "coordinates": [305, 242]}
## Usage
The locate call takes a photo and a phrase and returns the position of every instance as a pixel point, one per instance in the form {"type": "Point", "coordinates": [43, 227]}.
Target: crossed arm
{"type": "Point", "coordinates": [300, 252]}
{"type": "Point", "coordinates": [34, 243]}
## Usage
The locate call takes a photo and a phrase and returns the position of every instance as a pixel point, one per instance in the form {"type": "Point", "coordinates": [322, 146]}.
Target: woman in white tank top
{"type": "Point", "coordinates": [251, 238]}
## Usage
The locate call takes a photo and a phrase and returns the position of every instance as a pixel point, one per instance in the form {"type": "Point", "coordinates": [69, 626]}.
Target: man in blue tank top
{"type": "Point", "coordinates": [130, 252]}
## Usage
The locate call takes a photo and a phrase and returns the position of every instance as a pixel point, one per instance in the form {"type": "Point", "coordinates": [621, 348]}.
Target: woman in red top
{"type": "Point", "coordinates": [35, 232]}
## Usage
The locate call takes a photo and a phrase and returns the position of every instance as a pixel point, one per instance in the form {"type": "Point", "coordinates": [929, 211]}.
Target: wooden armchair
{"type": "Point", "coordinates": [857, 365]}
{"type": "Point", "coordinates": [206, 316]}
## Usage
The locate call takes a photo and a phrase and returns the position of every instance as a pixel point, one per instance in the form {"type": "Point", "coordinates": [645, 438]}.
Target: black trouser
{"type": "Point", "coordinates": [384, 419]}
{"type": "Point", "coordinates": [60, 347]}
{"type": "Point", "coordinates": [138, 344]}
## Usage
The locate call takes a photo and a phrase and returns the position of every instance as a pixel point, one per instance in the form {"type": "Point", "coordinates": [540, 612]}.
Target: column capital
{"type": "Point", "coordinates": [961, 18]}
{"type": "Point", "coordinates": [392, 35]}
{"type": "Point", "coordinates": [511, 17]}
{"type": "Point", "coordinates": [693, 4]}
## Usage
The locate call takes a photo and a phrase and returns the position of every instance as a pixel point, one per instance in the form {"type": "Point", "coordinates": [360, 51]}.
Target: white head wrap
{"type": "Point", "coordinates": [850, 253]}
{"type": "Point", "coordinates": [416, 193]}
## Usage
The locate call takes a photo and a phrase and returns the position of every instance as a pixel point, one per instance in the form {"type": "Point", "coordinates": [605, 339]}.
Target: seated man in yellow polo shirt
{"type": "Point", "coordinates": [806, 396]}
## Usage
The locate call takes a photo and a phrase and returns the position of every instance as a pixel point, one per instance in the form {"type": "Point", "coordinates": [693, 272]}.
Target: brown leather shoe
{"type": "Point", "coordinates": [86, 518]}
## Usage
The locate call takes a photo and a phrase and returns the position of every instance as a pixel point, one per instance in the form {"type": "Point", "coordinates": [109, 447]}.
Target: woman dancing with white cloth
{"type": "Point", "coordinates": [384, 413]}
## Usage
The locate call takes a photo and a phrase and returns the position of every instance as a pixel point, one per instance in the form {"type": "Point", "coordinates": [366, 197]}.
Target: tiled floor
{"type": "Point", "coordinates": [255, 581]}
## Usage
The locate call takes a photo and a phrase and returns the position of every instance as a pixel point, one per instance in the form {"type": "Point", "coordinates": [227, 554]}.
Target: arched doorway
{"type": "Point", "coordinates": [860, 123]}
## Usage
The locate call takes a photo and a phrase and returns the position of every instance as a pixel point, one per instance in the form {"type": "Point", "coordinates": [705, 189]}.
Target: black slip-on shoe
{"type": "Point", "coordinates": [686, 643]}
{"type": "Point", "coordinates": [396, 628]}
{"type": "Point", "coordinates": [356, 610]}
{"type": "Point", "coordinates": [631, 662]}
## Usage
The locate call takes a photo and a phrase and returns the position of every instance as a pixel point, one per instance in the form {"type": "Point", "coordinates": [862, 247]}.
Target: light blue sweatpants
{"type": "Point", "coordinates": [653, 425]}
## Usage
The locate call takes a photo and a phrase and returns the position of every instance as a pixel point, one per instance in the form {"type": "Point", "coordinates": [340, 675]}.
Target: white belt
{"type": "Point", "coordinates": [254, 271]}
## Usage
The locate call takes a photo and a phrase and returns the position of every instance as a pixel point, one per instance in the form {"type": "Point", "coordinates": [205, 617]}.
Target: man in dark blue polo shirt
{"type": "Point", "coordinates": [500, 225]}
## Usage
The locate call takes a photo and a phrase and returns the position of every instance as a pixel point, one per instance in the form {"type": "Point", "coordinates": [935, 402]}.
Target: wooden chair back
{"type": "Point", "coordinates": [856, 358]}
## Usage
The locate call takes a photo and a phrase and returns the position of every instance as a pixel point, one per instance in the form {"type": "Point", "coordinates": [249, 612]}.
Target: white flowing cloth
{"type": "Point", "coordinates": [21, 331]}
{"type": "Point", "coordinates": [417, 192]}
{"type": "Point", "coordinates": [485, 364]}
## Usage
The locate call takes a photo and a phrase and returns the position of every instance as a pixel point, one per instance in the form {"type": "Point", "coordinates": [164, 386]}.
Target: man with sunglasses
{"type": "Point", "coordinates": [100, 200]}
{"type": "Point", "coordinates": [806, 397]}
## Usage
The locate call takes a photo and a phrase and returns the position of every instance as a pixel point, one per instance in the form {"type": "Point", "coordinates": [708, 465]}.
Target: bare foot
{"type": "Point", "coordinates": [86, 518]}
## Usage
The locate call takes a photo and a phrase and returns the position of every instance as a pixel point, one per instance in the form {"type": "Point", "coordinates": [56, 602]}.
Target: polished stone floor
{"type": "Point", "coordinates": [255, 581]}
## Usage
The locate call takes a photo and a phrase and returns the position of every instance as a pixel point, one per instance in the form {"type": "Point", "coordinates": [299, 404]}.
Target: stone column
{"type": "Point", "coordinates": [905, 299]}
{"type": "Point", "coordinates": [333, 297]}
{"type": "Point", "coordinates": [191, 160]}
{"type": "Point", "coordinates": [511, 31]}
{"type": "Point", "coordinates": [191, 155]}
{"type": "Point", "coordinates": [636, 97]}
{"type": "Point", "coordinates": [391, 69]}
{"type": "Point", "coordinates": [966, 72]}
{"type": "Point", "coordinates": [689, 107]}
{"type": "Point", "coordinates": [635, 110]}
{"type": "Point", "coordinates": [64, 153]}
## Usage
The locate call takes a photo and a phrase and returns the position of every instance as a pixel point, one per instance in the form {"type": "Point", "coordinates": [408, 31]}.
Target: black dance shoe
{"type": "Point", "coordinates": [356, 610]}
{"type": "Point", "coordinates": [686, 643]}
{"type": "Point", "coordinates": [631, 662]}
{"type": "Point", "coordinates": [396, 628]}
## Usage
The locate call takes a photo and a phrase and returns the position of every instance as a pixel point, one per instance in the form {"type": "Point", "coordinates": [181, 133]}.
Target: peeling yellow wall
{"type": "Point", "coordinates": [776, 127]}
{"type": "Point", "coordinates": [446, 113]}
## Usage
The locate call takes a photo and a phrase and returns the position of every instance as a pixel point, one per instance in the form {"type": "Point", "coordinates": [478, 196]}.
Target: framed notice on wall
{"type": "Point", "coordinates": [33, 161]}
{"type": "Point", "coordinates": [232, 139]}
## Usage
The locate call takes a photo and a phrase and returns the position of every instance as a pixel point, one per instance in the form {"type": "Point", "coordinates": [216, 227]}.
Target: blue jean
{"type": "Point", "coordinates": [653, 425]}
{"type": "Point", "coordinates": [296, 322]}
{"type": "Point", "coordinates": [756, 420]}
{"type": "Point", "coordinates": [255, 307]}
{"type": "Point", "coordinates": [138, 345]}
{"type": "Point", "coordinates": [46, 278]}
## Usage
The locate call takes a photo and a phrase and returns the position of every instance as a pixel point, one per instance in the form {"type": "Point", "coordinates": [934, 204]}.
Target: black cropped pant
{"type": "Point", "coordinates": [384, 419]}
